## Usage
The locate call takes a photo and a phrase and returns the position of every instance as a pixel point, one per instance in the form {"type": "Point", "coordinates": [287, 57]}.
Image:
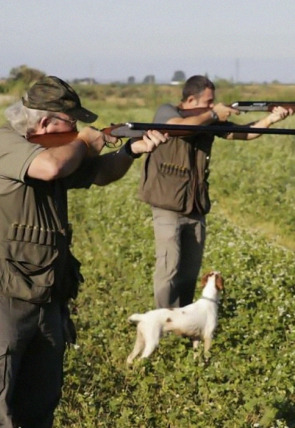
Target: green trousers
{"type": "Point", "coordinates": [31, 363]}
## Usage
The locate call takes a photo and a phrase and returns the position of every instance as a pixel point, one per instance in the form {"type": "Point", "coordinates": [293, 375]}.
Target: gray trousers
{"type": "Point", "coordinates": [179, 244]}
{"type": "Point", "coordinates": [31, 360]}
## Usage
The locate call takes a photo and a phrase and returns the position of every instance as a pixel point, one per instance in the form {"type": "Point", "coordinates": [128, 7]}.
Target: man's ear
{"type": "Point", "coordinates": [189, 102]}
{"type": "Point", "coordinates": [41, 126]}
{"type": "Point", "coordinates": [191, 99]}
{"type": "Point", "coordinates": [44, 122]}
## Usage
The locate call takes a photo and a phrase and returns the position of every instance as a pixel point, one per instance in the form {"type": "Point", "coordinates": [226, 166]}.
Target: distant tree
{"type": "Point", "coordinates": [150, 79]}
{"type": "Point", "coordinates": [131, 80]}
{"type": "Point", "coordinates": [84, 81]}
{"type": "Point", "coordinates": [179, 76]}
{"type": "Point", "coordinates": [25, 74]}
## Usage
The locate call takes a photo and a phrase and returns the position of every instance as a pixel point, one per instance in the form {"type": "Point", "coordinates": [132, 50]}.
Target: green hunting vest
{"type": "Point", "coordinates": [35, 260]}
{"type": "Point", "coordinates": [175, 176]}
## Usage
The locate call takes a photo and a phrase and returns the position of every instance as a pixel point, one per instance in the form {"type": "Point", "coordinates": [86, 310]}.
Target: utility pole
{"type": "Point", "coordinates": [237, 70]}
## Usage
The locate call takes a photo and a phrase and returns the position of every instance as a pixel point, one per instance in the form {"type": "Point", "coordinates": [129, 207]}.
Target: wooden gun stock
{"type": "Point", "coordinates": [193, 111]}
{"type": "Point", "coordinates": [55, 139]}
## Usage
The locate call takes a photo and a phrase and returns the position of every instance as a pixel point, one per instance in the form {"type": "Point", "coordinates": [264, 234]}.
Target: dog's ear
{"type": "Point", "coordinates": [219, 282]}
{"type": "Point", "coordinates": [204, 279]}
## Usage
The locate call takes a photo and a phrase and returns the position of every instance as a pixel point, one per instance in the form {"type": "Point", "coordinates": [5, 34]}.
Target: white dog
{"type": "Point", "coordinates": [197, 320]}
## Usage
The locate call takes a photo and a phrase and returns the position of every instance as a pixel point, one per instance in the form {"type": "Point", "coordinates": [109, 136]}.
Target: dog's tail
{"type": "Point", "coordinates": [135, 318]}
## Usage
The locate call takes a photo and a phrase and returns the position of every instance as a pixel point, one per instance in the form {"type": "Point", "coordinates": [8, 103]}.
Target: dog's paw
{"type": "Point", "coordinates": [129, 360]}
{"type": "Point", "coordinates": [206, 361]}
{"type": "Point", "coordinates": [207, 357]}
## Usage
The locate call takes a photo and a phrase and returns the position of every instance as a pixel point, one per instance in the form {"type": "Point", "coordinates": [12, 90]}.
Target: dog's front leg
{"type": "Point", "coordinates": [195, 342]}
{"type": "Point", "coordinates": [207, 346]}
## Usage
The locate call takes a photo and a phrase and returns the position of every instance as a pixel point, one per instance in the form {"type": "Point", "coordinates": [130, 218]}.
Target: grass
{"type": "Point", "coordinates": [250, 379]}
{"type": "Point", "coordinates": [254, 184]}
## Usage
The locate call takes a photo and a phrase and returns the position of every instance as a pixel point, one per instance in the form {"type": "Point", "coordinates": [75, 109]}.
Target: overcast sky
{"type": "Point", "coordinates": [109, 40]}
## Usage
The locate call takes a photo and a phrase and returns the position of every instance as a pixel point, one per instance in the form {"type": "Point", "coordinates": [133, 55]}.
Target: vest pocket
{"type": "Point", "coordinates": [168, 188]}
{"type": "Point", "coordinates": [27, 270]}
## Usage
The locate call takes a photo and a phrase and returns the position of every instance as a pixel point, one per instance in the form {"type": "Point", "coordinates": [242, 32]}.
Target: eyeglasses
{"type": "Point", "coordinates": [72, 122]}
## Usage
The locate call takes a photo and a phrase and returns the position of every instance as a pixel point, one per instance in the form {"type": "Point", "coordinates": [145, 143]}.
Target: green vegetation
{"type": "Point", "coordinates": [249, 381]}
{"type": "Point", "coordinates": [254, 183]}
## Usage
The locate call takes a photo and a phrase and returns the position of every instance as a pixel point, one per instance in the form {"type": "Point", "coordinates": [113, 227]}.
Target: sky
{"type": "Point", "coordinates": [112, 40]}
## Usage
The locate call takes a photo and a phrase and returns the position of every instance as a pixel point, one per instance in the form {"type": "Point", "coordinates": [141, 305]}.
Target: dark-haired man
{"type": "Point", "coordinates": [175, 184]}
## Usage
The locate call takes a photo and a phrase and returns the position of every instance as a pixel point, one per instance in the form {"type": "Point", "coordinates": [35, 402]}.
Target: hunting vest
{"type": "Point", "coordinates": [35, 260]}
{"type": "Point", "coordinates": [175, 176]}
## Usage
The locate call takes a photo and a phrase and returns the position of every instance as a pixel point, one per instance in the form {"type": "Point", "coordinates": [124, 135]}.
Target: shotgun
{"type": "Point", "coordinates": [138, 129]}
{"type": "Point", "coordinates": [242, 106]}
{"type": "Point", "coordinates": [246, 106]}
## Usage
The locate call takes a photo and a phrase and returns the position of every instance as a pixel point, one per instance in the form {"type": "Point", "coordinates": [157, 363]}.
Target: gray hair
{"type": "Point", "coordinates": [22, 119]}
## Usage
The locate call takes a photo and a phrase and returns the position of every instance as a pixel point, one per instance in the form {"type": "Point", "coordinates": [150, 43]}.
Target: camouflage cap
{"type": "Point", "coordinates": [53, 94]}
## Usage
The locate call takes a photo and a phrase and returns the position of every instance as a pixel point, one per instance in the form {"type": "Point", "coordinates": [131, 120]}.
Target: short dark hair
{"type": "Point", "coordinates": [195, 85]}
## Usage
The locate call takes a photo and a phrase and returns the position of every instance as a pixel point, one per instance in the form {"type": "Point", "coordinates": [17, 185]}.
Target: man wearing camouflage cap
{"type": "Point", "coordinates": [38, 273]}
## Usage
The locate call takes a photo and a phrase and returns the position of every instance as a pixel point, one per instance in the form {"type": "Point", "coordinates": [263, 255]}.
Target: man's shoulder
{"type": "Point", "coordinates": [6, 129]}
{"type": "Point", "coordinates": [166, 112]}
{"type": "Point", "coordinates": [168, 106]}
{"type": "Point", "coordinates": [9, 135]}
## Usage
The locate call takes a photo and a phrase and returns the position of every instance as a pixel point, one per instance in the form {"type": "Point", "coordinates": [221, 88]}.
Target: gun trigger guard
{"type": "Point", "coordinates": [117, 144]}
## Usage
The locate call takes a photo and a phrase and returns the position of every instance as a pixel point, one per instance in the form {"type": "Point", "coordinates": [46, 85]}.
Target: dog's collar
{"type": "Point", "coordinates": [210, 300]}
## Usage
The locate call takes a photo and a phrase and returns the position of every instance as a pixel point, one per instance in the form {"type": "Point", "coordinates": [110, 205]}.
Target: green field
{"type": "Point", "coordinates": [250, 381]}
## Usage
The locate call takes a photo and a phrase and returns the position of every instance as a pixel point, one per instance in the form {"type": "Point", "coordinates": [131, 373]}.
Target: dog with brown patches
{"type": "Point", "coordinates": [197, 320]}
